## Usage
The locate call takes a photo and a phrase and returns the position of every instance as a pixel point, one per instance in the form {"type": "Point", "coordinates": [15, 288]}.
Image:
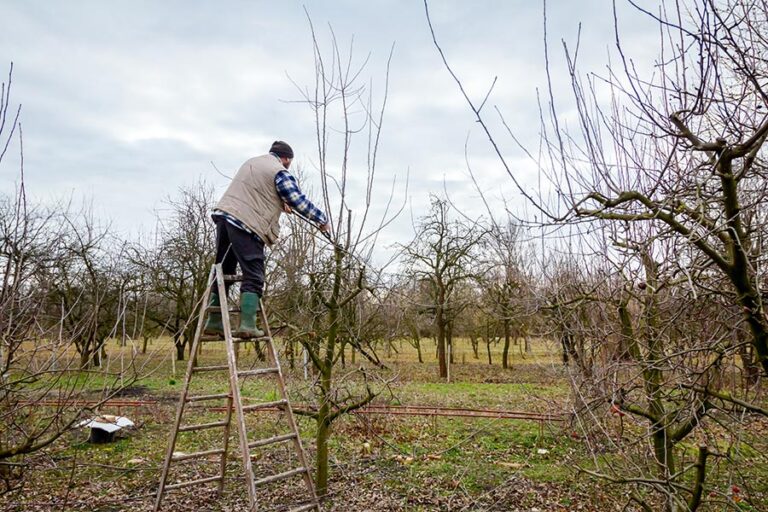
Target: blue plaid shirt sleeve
{"type": "Point", "coordinates": [288, 189]}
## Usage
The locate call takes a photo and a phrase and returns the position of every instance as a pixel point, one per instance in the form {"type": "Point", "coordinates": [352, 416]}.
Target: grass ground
{"type": "Point", "coordinates": [378, 462]}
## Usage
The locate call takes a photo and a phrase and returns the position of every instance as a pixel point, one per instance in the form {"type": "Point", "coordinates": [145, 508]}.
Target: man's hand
{"type": "Point", "coordinates": [326, 228]}
{"type": "Point", "coordinates": [286, 208]}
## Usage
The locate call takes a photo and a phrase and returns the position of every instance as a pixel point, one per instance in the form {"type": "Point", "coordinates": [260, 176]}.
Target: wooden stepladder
{"type": "Point", "coordinates": [235, 405]}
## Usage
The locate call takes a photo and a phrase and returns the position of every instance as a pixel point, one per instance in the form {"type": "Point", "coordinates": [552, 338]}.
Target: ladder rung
{"type": "Point", "coordinates": [233, 277]}
{"type": "Point", "coordinates": [195, 455]}
{"type": "Point", "coordinates": [265, 405]}
{"type": "Point", "coordinates": [193, 482]}
{"type": "Point", "coordinates": [304, 508]}
{"type": "Point", "coordinates": [271, 440]}
{"type": "Point", "coordinates": [200, 398]}
{"type": "Point", "coordinates": [218, 309]}
{"type": "Point", "coordinates": [210, 368]}
{"type": "Point", "coordinates": [257, 371]}
{"type": "Point", "coordinates": [280, 476]}
{"type": "Point", "coordinates": [202, 426]}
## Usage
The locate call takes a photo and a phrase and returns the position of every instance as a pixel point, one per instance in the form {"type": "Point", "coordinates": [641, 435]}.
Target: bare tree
{"type": "Point", "coordinates": [667, 180]}
{"type": "Point", "coordinates": [507, 284]}
{"type": "Point", "coordinates": [416, 312]}
{"type": "Point", "coordinates": [86, 284]}
{"type": "Point", "coordinates": [333, 312]}
{"type": "Point", "coordinates": [40, 381]}
{"type": "Point", "coordinates": [177, 266]}
{"type": "Point", "coordinates": [441, 254]}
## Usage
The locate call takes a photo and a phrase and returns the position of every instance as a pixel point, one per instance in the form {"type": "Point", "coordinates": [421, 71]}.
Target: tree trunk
{"type": "Point", "coordinates": [450, 361]}
{"type": "Point", "coordinates": [179, 351]}
{"type": "Point", "coordinates": [289, 354]}
{"type": "Point", "coordinates": [418, 349]}
{"type": "Point", "coordinates": [441, 361]}
{"type": "Point", "coordinates": [505, 352]}
{"type": "Point", "coordinates": [740, 272]}
{"type": "Point", "coordinates": [324, 413]}
{"type": "Point", "coordinates": [565, 341]}
{"type": "Point", "coordinates": [324, 425]}
{"type": "Point", "coordinates": [663, 450]}
{"type": "Point", "coordinates": [751, 370]}
{"type": "Point", "coordinates": [488, 338]}
{"type": "Point", "coordinates": [89, 354]}
{"type": "Point", "coordinates": [85, 359]}
{"type": "Point", "coordinates": [323, 433]}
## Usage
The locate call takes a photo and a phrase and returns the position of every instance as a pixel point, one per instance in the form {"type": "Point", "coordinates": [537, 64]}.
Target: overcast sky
{"type": "Point", "coordinates": [124, 102]}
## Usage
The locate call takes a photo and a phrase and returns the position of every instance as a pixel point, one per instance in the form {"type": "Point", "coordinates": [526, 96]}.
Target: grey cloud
{"type": "Point", "coordinates": [127, 101]}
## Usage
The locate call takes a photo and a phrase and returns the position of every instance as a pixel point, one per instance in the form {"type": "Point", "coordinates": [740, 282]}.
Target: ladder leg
{"type": "Point", "coordinates": [184, 393]}
{"type": "Point", "coordinates": [235, 390]}
{"type": "Point", "coordinates": [307, 476]}
{"type": "Point", "coordinates": [224, 303]}
{"type": "Point", "coordinates": [226, 442]}
{"type": "Point", "coordinates": [234, 407]}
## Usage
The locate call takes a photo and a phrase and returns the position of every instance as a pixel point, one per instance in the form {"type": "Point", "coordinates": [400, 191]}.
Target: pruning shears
{"type": "Point", "coordinates": [336, 245]}
{"type": "Point", "coordinates": [325, 234]}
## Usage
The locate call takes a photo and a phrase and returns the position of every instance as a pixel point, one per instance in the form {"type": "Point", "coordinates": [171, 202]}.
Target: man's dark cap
{"type": "Point", "coordinates": [282, 149]}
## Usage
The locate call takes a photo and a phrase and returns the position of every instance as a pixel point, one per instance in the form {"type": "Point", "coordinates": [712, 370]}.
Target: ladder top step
{"type": "Point", "coordinates": [195, 455]}
{"type": "Point", "coordinates": [271, 440]}
{"type": "Point", "coordinates": [257, 371]}
{"type": "Point", "coordinates": [216, 368]}
{"type": "Point", "coordinates": [280, 476]}
{"type": "Point", "coordinates": [193, 482]}
{"type": "Point", "coordinates": [202, 426]}
{"type": "Point", "coordinates": [265, 405]}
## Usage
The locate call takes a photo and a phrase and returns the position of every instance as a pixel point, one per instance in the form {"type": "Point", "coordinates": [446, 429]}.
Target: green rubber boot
{"type": "Point", "coordinates": [249, 311]}
{"type": "Point", "coordinates": [213, 324]}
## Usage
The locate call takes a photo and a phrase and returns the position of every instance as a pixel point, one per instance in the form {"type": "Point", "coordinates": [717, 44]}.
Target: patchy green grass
{"type": "Point", "coordinates": [379, 462]}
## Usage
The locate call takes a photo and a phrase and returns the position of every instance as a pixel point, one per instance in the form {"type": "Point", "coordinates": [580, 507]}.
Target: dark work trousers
{"type": "Point", "coordinates": [233, 246]}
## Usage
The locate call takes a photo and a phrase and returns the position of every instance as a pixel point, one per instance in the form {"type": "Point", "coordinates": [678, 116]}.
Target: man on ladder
{"type": "Point", "coordinates": [247, 217]}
